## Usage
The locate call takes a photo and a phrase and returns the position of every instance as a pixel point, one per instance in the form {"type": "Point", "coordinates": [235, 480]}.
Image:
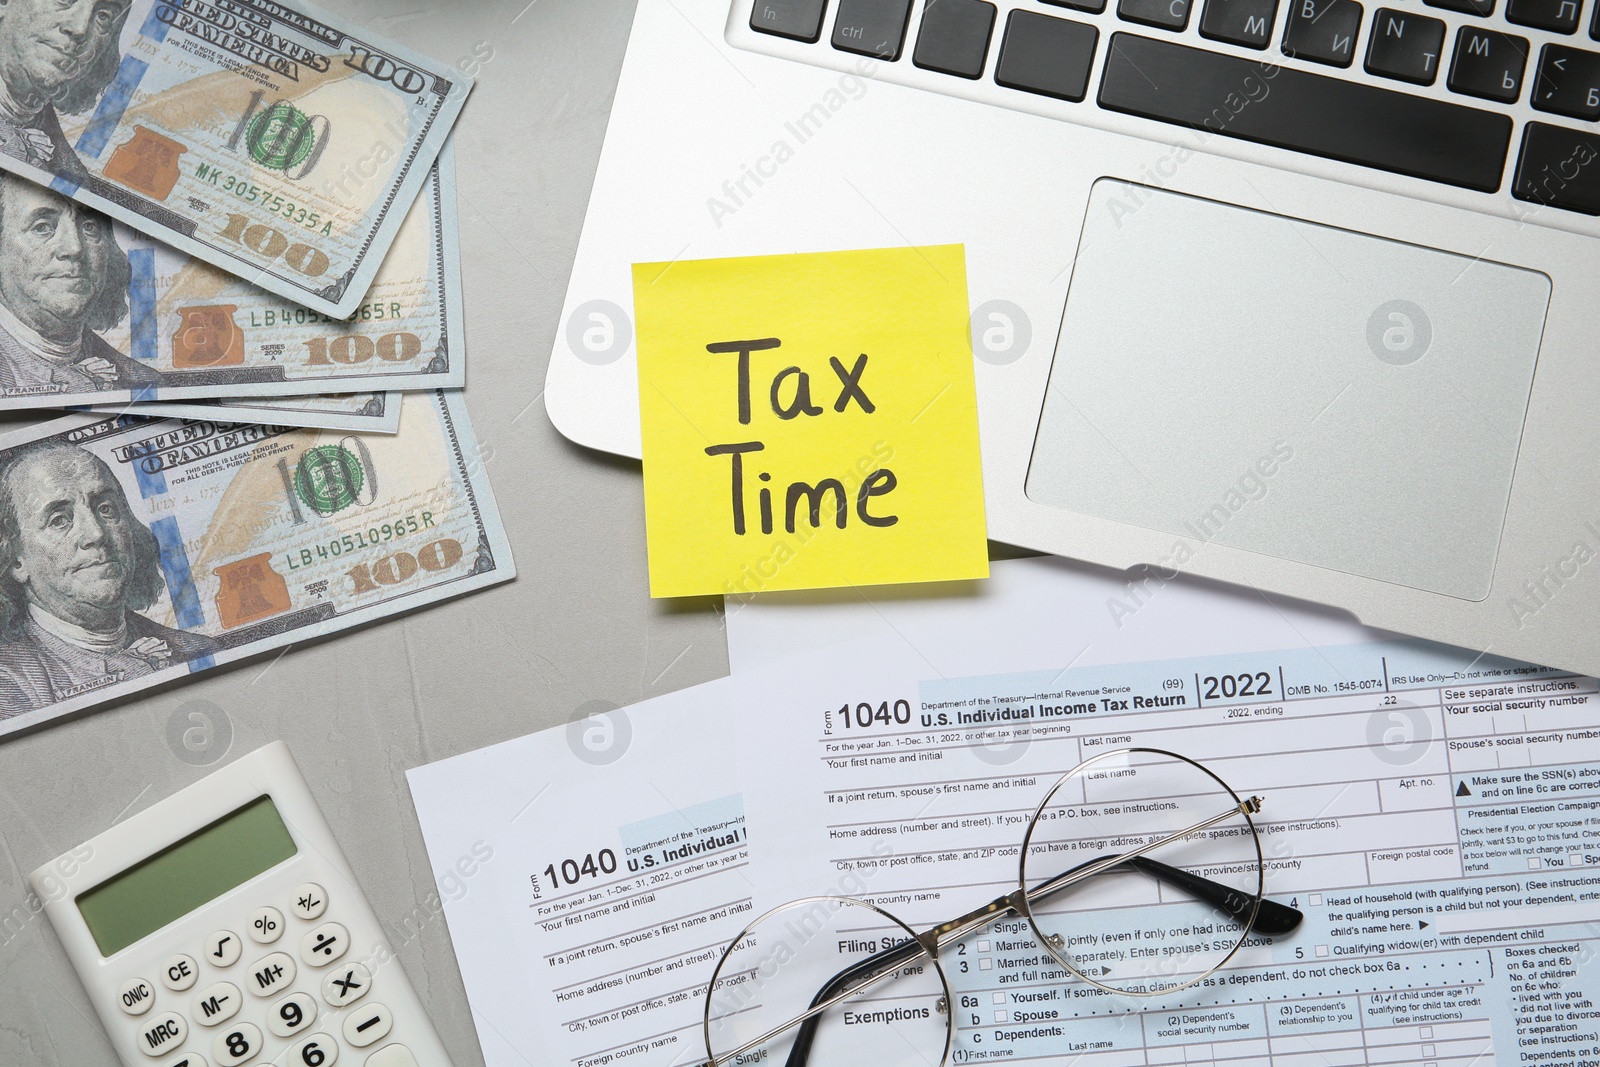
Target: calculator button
{"type": "Point", "coordinates": [162, 1034]}
{"type": "Point", "coordinates": [372, 1023]}
{"type": "Point", "coordinates": [188, 1059]}
{"type": "Point", "coordinates": [318, 1050]}
{"type": "Point", "coordinates": [310, 901]}
{"type": "Point", "coordinates": [217, 1005]}
{"type": "Point", "coordinates": [270, 974]}
{"type": "Point", "coordinates": [223, 949]}
{"type": "Point", "coordinates": [179, 972]}
{"type": "Point", "coordinates": [291, 1015]}
{"type": "Point", "coordinates": [324, 944]}
{"type": "Point", "coordinates": [266, 926]}
{"type": "Point", "coordinates": [392, 1056]}
{"type": "Point", "coordinates": [136, 996]}
{"type": "Point", "coordinates": [236, 1045]}
{"type": "Point", "coordinates": [346, 985]}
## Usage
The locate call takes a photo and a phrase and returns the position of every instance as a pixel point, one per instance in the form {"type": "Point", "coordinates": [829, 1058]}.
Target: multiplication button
{"type": "Point", "coordinates": [270, 974]}
{"type": "Point", "coordinates": [324, 944]}
{"type": "Point", "coordinates": [346, 984]}
{"type": "Point", "coordinates": [162, 1034]}
{"type": "Point", "coordinates": [223, 949]}
{"type": "Point", "coordinates": [136, 995]}
{"type": "Point", "coordinates": [369, 1024]}
{"type": "Point", "coordinates": [310, 901]}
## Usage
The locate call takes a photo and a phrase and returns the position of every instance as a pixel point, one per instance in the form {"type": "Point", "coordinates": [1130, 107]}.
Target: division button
{"type": "Point", "coordinates": [162, 1034]}
{"type": "Point", "coordinates": [270, 974]}
{"type": "Point", "coordinates": [217, 1005]}
{"type": "Point", "coordinates": [266, 926]}
{"type": "Point", "coordinates": [310, 899]}
{"type": "Point", "coordinates": [136, 995]}
{"type": "Point", "coordinates": [346, 984]}
{"type": "Point", "coordinates": [1405, 45]}
{"type": "Point", "coordinates": [324, 944]}
{"type": "Point", "coordinates": [179, 972]}
{"type": "Point", "coordinates": [368, 1025]}
{"type": "Point", "coordinates": [236, 1045]}
{"type": "Point", "coordinates": [223, 949]}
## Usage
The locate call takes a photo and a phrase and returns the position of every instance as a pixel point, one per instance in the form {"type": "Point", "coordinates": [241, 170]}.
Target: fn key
{"type": "Point", "coordinates": [799, 20]}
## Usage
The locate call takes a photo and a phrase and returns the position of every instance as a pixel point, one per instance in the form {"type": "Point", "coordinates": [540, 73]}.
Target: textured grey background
{"type": "Point", "coordinates": [576, 627]}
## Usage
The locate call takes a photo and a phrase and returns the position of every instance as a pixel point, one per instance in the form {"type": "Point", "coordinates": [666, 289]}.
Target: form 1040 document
{"type": "Point", "coordinates": [1434, 815]}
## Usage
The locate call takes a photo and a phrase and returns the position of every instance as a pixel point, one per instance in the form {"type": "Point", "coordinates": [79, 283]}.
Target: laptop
{"type": "Point", "coordinates": [1302, 295]}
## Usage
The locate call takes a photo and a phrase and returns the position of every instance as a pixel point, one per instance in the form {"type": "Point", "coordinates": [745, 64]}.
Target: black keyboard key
{"type": "Point", "coordinates": [1568, 82]}
{"type": "Point", "coordinates": [1094, 7]}
{"type": "Point", "coordinates": [1488, 64]}
{"type": "Point", "coordinates": [1242, 22]}
{"type": "Point", "coordinates": [1559, 167]}
{"type": "Point", "coordinates": [1484, 8]}
{"type": "Point", "coordinates": [954, 38]}
{"type": "Point", "coordinates": [1405, 45]}
{"type": "Point", "coordinates": [1162, 14]}
{"type": "Point", "coordinates": [800, 20]}
{"type": "Point", "coordinates": [1305, 112]}
{"type": "Point", "coordinates": [1323, 30]}
{"type": "Point", "coordinates": [875, 28]}
{"type": "Point", "coordinates": [1046, 55]}
{"type": "Point", "coordinates": [1594, 27]}
{"type": "Point", "coordinates": [1557, 16]}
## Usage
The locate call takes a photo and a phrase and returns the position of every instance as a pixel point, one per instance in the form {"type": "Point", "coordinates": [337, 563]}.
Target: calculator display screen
{"type": "Point", "coordinates": [182, 877]}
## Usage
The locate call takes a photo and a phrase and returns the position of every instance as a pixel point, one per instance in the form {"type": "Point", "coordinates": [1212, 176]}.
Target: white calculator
{"type": "Point", "coordinates": [223, 927]}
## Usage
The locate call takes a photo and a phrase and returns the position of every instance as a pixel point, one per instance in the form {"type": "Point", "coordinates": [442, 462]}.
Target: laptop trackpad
{"type": "Point", "coordinates": [1288, 388]}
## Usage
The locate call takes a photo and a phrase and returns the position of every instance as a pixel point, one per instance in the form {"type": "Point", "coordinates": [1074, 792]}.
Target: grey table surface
{"type": "Point", "coordinates": [576, 630]}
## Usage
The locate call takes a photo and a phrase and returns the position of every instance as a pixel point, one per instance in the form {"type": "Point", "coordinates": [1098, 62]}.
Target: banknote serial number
{"type": "Point", "coordinates": [250, 193]}
{"type": "Point", "coordinates": [372, 536]}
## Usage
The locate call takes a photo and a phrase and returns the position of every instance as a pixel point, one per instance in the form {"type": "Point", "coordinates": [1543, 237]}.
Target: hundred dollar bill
{"type": "Point", "coordinates": [268, 138]}
{"type": "Point", "coordinates": [142, 551]}
{"type": "Point", "coordinates": [363, 412]}
{"type": "Point", "coordinates": [92, 312]}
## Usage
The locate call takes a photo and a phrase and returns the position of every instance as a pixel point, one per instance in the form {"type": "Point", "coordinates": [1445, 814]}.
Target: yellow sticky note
{"type": "Point", "coordinates": [809, 421]}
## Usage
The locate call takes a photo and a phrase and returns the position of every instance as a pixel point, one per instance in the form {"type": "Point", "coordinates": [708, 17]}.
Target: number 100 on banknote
{"type": "Point", "coordinates": [269, 139]}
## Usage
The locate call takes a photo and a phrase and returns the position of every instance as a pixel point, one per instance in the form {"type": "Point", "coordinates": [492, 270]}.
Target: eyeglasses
{"type": "Point", "coordinates": [837, 979]}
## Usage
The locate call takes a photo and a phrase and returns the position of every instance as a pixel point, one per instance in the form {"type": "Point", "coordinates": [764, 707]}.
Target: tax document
{"type": "Point", "coordinates": [590, 875]}
{"type": "Point", "coordinates": [1434, 814]}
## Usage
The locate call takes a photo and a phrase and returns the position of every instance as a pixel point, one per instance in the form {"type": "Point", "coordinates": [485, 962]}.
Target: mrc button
{"type": "Point", "coordinates": [136, 995]}
{"type": "Point", "coordinates": [162, 1034]}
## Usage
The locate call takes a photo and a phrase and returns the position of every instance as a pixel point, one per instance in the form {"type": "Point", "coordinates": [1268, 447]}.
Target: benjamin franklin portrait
{"type": "Point", "coordinates": [56, 57]}
{"type": "Point", "coordinates": [63, 276]}
{"type": "Point", "coordinates": [76, 569]}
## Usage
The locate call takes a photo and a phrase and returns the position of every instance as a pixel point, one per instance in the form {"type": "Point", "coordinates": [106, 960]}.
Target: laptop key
{"type": "Point", "coordinates": [1094, 7]}
{"type": "Point", "coordinates": [1162, 14]}
{"type": "Point", "coordinates": [799, 20]}
{"type": "Point", "coordinates": [1323, 30]}
{"type": "Point", "coordinates": [1559, 167]}
{"type": "Point", "coordinates": [1405, 45]}
{"type": "Point", "coordinates": [1558, 16]}
{"type": "Point", "coordinates": [1489, 64]}
{"type": "Point", "coordinates": [1484, 8]}
{"type": "Point", "coordinates": [875, 28]}
{"type": "Point", "coordinates": [1241, 22]}
{"type": "Point", "coordinates": [1568, 82]}
{"type": "Point", "coordinates": [954, 38]}
{"type": "Point", "coordinates": [1046, 55]}
{"type": "Point", "coordinates": [1305, 112]}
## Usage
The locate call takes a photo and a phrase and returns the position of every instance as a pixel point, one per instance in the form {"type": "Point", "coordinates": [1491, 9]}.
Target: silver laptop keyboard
{"type": "Point", "coordinates": [1494, 60]}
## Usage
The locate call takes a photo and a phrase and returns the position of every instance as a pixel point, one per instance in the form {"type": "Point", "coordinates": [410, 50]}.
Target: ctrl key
{"type": "Point", "coordinates": [162, 1034]}
{"type": "Point", "coordinates": [1559, 167]}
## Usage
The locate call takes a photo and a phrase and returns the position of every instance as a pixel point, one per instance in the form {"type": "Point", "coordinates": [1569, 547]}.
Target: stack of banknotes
{"type": "Point", "coordinates": [230, 291]}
